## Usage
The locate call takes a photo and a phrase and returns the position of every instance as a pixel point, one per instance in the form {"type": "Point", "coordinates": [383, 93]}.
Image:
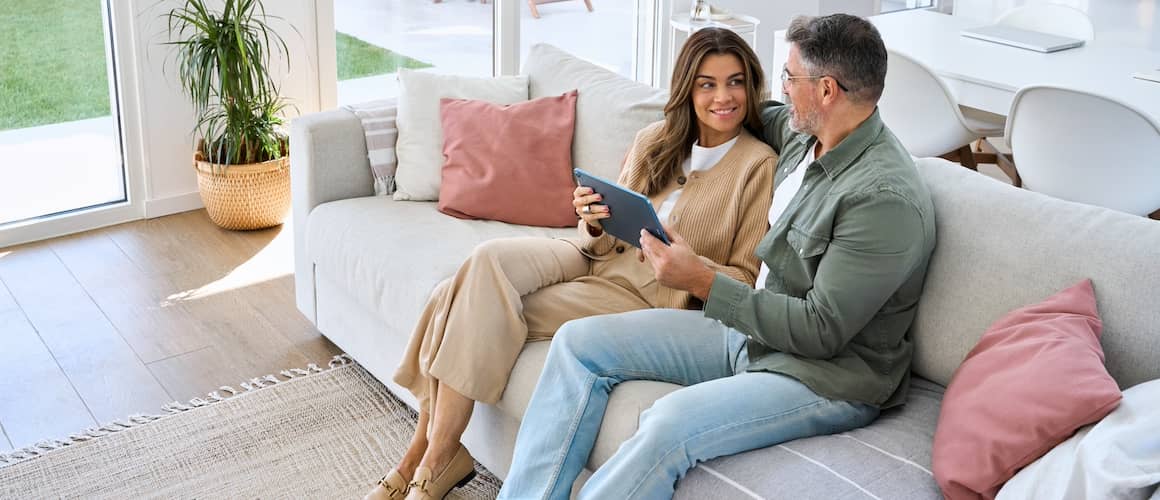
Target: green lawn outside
{"type": "Point", "coordinates": [357, 59]}
{"type": "Point", "coordinates": [52, 62]}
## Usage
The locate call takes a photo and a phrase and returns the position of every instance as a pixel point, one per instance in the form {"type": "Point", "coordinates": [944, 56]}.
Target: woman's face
{"type": "Point", "coordinates": [719, 98]}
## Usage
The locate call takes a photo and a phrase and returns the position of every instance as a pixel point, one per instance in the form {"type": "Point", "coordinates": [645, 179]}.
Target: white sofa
{"type": "Point", "coordinates": [365, 265]}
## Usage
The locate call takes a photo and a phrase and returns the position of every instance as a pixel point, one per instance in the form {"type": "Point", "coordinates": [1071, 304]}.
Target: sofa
{"type": "Point", "coordinates": [365, 265]}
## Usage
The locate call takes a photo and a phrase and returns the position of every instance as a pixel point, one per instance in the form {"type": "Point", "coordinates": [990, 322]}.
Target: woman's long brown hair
{"type": "Point", "coordinates": [660, 161]}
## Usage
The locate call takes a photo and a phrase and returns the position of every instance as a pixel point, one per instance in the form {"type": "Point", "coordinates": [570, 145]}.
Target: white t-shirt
{"type": "Point", "coordinates": [700, 160]}
{"type": "Point", "coordinates": [781, 198]}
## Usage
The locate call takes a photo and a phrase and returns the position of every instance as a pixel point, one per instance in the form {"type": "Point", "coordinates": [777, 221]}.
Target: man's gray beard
{"type": "Point", "coordinates": [810, 125]}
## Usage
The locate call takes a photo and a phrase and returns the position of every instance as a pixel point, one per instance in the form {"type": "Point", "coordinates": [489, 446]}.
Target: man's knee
{"type": "Point", "coordinates": [572, 337]}
{"type": "Point", "coordinates": [662, 425]}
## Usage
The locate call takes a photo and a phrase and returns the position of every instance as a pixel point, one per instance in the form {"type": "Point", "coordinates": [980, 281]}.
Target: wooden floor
{"type": "Point", "coordinates": [117, 321]}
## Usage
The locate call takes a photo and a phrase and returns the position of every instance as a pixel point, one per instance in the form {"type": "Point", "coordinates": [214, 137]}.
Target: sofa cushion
{"type": "Point", "coordinates": [509, 163]}
{"type": "Point", "coordinates": [1000, 248]}
{"type": "Point", "coordinates": [1036, 376]}
{"type": "Point", "coordinates": [890, 458]}
{"type": "Point", "coordinates": [609, 112]}
{"type": "Point", "coordinates": [420, 145]}
{"type": "Point", "coordinates": [390, 254]}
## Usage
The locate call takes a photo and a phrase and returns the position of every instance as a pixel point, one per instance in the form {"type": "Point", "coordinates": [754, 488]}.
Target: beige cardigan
{"type": "Point", "coordinates": [722, 213]}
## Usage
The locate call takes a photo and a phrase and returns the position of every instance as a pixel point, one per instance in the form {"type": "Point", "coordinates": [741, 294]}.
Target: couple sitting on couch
{"type": "Point", "coordinates": [819, 346]}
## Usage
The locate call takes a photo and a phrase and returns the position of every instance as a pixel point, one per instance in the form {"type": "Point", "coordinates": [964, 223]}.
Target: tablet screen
{"type": "Point", "coordinates": [629, 211]}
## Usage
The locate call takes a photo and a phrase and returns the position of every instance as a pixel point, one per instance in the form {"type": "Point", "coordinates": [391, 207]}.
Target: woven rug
{"type": "Point", "coordinates": [314, 433]}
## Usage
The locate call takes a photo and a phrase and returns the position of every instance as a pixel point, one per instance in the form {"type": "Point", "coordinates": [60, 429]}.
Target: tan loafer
{"type": "Point", "coordinates": [459, 472]}
{"type": "Point", "coordinates": [391, 487]}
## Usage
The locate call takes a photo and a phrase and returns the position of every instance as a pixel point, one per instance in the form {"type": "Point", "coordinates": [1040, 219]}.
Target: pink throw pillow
{"type": "Point", "coordinates": [1035, 377]}
{"type": "Point", "coordinates": [509, 163]}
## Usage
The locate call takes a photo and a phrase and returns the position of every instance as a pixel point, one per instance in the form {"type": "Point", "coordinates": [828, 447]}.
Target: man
{"type": "Point", "coordinates": [818, 347]}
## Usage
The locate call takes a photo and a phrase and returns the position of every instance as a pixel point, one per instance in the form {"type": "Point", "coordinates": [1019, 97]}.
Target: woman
{"type": "Point", "coordinates": [708, 177]}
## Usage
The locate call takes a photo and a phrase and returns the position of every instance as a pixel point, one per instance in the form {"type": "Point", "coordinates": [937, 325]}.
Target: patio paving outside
{"type": "Point", "coordinates": [59, 167]}
{"type": "Point", "coordinates": [455, 36]}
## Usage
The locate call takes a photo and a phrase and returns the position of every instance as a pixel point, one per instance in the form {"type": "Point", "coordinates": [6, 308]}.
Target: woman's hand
{"type": "Point", "coordinates": [584, 199]}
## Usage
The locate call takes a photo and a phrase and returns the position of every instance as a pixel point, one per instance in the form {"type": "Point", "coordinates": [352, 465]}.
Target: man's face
{"type": "Point", "coordinates": [801, 94]}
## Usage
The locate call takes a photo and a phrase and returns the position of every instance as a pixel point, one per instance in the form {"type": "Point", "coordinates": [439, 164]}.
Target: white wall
{"type": "Point", "coordinates": [165, 116]}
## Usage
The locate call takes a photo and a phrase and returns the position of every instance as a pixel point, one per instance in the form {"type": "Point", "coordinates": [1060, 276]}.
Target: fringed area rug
{"type": "Point", "coordinates": [314, 433]}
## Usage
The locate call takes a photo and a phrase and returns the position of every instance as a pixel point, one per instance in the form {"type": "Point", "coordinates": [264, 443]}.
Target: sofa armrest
{"type": "Point", "coordinates": [328, 162]}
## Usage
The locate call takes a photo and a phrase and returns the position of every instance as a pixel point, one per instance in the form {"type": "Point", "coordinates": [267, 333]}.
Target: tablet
{"type": "Point", "coordinates": [629, 211]}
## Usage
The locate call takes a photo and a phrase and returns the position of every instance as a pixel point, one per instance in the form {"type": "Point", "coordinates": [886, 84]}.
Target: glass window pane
{"type": "Point", "coordinates": [59, 136]}
{"type": "Point", "coordinates": [377, 37]}
{"type": "Point", "coordinates": [601, 34]}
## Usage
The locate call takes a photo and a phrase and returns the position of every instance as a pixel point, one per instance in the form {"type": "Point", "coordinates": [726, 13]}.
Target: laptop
{"type": "Point", "coordinates": [1024, 39]}
{"type": "Point", "coordinates": [1152, 76]}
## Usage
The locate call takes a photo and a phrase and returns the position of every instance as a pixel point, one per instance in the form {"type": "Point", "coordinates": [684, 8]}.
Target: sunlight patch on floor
{"type": "Point", "coordinates": [273, 261]}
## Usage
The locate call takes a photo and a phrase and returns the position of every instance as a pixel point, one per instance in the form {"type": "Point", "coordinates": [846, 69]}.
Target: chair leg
{"type": "Point", "coordinates": [1006, 163]}
{"type": "Point", "coordinates": [950, 156]}
{"type": "Point", "coordinates": [986, 157]}
{"type": "Point", "coordinates": [967, 158]}
{"type": "Point", "coordinates": [535, 11]}
{"type": "Point", "coordinates": [1008, 167]}
{"type": "Point", "coordinates": [588, 3]}
{"type": "Point", "coordinates": [1155, 215]}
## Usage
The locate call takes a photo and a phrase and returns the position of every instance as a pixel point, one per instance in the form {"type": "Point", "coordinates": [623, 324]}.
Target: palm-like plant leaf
{"type": "Point", "coordinates": [223, 62]}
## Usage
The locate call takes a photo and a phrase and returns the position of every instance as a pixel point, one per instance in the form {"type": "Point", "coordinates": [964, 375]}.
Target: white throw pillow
{"type": "Point", "coordinates": [610, 109]}
{"type": "Point", "coordinates": [1115, 458]}
{"type": "Point", "coordinates": [420, 144]}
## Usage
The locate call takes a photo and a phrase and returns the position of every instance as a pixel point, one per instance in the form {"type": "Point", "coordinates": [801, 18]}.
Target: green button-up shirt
{"type": "Point", "coordinates": [847, 261]}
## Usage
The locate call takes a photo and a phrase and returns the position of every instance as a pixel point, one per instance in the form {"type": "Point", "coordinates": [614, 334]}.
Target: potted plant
{"type": "Point", "coordinates": [223, 61]}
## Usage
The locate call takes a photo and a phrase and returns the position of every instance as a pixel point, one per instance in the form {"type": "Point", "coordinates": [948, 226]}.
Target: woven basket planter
{"type": "Point", "coordinates": [244, 197]}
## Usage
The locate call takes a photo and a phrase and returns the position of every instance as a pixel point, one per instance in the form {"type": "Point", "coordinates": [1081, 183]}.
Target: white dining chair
{"type": "Point", "coordinates": [922, 112]}
{"type": "Point", "coordinates": [1086, 148]}
{"type": "Point", "coordinates": [1053, 18]}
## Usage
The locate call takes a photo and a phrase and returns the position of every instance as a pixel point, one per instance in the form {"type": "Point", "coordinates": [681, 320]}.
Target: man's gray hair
{"type": "Point", "coordinates": [844, 47]}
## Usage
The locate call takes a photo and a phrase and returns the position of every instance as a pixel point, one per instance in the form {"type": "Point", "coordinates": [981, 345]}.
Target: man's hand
{"type": "Point", "coordinates": [677, 265]}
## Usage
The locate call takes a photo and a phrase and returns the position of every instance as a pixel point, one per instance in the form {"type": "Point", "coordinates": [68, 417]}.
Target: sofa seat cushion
{"type": "Point", "coordinates": [390, 254]}
{"type": "Point", "coordinates": [890, 458]}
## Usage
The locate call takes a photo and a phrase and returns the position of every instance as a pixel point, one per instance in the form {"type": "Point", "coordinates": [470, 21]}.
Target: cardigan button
{"type": "Point", "coordinates": [681, 180]}
{"type": "Point", "coordinates": [620, 249]}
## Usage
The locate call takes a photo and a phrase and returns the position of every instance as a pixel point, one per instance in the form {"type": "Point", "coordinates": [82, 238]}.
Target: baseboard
{"type": "Point", "coordinates": [172, 205]}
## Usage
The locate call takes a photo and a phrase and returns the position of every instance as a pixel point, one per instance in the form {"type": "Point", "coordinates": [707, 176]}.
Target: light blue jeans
{"type": "Point", "coordinates": [723, 409]}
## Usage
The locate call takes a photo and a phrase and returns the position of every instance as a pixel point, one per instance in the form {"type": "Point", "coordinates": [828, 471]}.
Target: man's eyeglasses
{"type": "Point", "coordinates": [786, 77]}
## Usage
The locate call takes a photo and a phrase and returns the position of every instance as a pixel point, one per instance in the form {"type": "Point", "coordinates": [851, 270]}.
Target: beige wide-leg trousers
{"type": "Point", "coordinates": [508, 292]}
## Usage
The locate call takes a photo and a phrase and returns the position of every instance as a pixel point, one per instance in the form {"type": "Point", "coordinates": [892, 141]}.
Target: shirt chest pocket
{"type": "Point", "coordinates": [805, 244]}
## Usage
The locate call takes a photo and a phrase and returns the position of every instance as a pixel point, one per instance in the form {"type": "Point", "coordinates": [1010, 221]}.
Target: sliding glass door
{"type": "Point", "coordinates": [60, 139]}
{"type": "Point", "coordinates": [376, 38]}
{"type": "Point", "coordinates": [600, 31]}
